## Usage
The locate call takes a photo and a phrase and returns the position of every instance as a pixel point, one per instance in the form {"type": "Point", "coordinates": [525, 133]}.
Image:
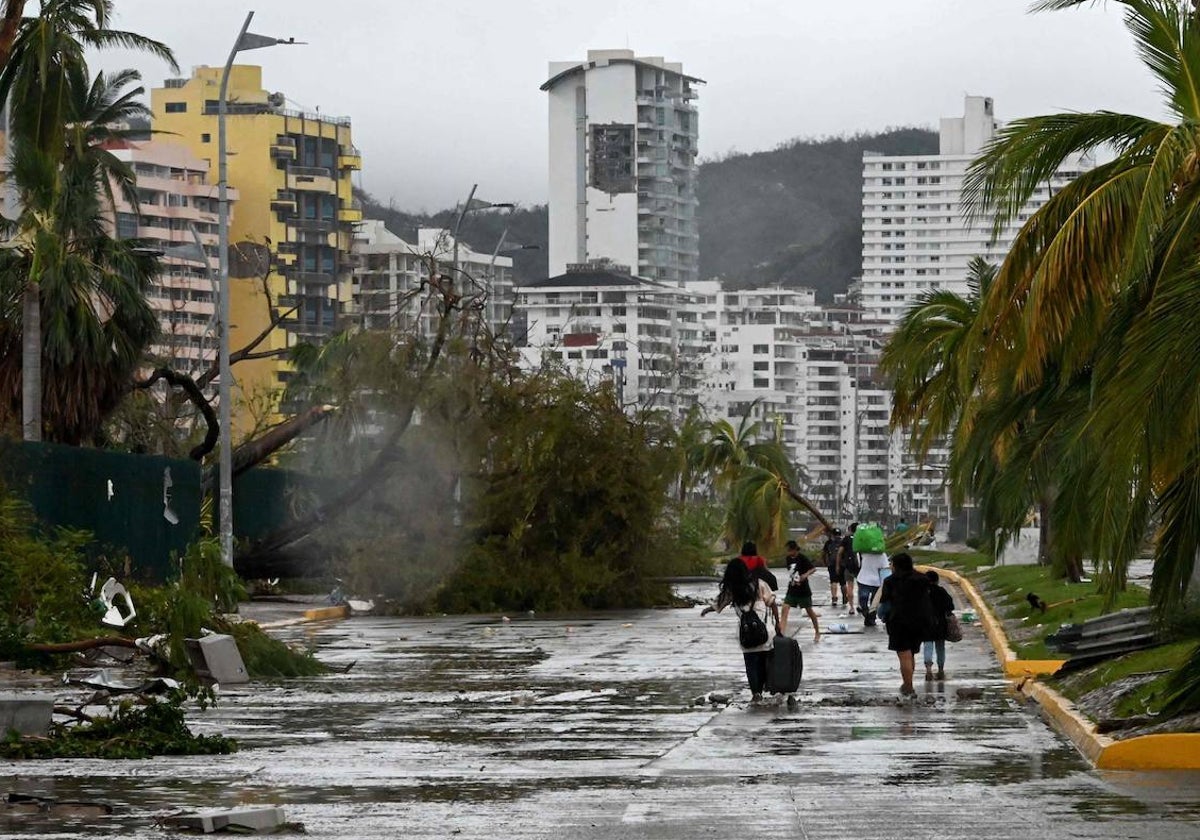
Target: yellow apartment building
{"type": "Point", "coordinates": [292, 171]}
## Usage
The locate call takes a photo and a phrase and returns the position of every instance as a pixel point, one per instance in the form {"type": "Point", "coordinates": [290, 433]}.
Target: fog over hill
{"type": "Point", "coordinates": [792, 214]}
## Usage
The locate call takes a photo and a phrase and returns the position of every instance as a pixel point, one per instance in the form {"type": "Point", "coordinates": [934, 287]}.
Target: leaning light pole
{"type": "Point", "coordinates": [245, 41]}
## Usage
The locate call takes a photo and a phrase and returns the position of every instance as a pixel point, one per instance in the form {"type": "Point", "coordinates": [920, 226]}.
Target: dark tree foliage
{"type": "Point", "coordinates": [568, 514]}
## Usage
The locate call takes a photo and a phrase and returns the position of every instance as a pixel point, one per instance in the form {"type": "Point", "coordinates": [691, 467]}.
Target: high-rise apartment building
{"type": "Point", "coordinates": [292, 169]}
{"type": "Point", "coordinates": [177, 209]}
{"type": "Point", "coordinates": [623, 171]}
{"type": "Point", "coordinates": [916, 233]}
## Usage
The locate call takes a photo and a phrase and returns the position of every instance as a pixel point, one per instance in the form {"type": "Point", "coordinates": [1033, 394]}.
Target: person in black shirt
{"type": "Point", "coordinates": [829, 553]}
{"type": "Point", "coordinates": [799, 591]}
{"type": "Point", "coordinates": [848, 566]}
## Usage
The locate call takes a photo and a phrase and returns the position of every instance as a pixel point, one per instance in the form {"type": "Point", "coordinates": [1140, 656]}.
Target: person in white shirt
{"type": "Point", "coordinates": [749, 593]}
{"type": "Point", "coordinates": [870, 578]}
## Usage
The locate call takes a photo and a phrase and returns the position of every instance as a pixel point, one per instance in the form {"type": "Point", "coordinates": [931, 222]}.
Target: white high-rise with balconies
{"type": "Point", "coordinates": [623, 171]}
{"type": "Point", "coordinates": [916, 234]}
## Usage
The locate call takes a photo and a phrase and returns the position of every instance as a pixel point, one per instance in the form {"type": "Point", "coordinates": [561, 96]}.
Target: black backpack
{"type": "Point", "coordinates": [752, 630]}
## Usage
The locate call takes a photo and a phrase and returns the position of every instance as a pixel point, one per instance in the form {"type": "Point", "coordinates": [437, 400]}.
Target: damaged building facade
{"type": "Point", "coordinates": [623, 174]}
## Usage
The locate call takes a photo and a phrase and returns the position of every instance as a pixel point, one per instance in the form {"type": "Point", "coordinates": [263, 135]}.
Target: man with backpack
{"type": "Point", "coordinates": [829, 553]}
{"type": "Point", "coordinates": [847, 567]}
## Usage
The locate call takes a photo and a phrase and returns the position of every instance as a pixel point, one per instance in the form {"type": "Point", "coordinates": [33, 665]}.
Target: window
{"type": "Point", "coordinates": [762, 383]}
{"type": "Point", "coordinates": [762, 365]}
{"type": "Point", "coordinates": [760, 349]}
{"type": "Point", "coordinates": [176, 108]}
{"type": "Point", "coordinates": [206, 138]}
{"type": "Point", "coordinates": [127, 226]}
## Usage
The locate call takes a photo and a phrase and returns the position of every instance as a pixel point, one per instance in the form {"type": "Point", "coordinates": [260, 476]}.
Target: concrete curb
{"type": "Point", "coordinates": [1169, 751]}
{"type": "Point", "coordinates": [309, 616]}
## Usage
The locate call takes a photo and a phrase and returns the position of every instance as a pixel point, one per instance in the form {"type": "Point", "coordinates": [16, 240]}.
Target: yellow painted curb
{"type": "Point", "coordinates": [991, 627]}
{"type": "Point", "coordinates": [1067, 720]}
{"type": "Point", "coordinates": [325, 613]}
{"type": "Point", "coordinates": [1168, 751]}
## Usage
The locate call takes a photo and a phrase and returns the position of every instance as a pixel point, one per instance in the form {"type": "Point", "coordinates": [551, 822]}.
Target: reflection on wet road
{"type": "Point", "coordinates": [590, 727]}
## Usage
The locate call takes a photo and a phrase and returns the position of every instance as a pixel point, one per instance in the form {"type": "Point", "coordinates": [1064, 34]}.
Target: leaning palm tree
{"type": "Point", "coordinates": [1103, 282]}
{"type": "Point", "coordinates": [755, 475]}
{"type": "Point", "coordinates": [35, 82]}
{"type": "Point", "coordinates": [727, 449]}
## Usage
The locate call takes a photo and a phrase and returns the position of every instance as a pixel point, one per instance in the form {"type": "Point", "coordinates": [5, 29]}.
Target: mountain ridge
{"type": "Point", "coordinates": [791, 215]}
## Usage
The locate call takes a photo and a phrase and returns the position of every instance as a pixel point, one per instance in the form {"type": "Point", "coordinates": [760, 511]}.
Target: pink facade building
{"type": "Point", "coordinates": [176, 207]}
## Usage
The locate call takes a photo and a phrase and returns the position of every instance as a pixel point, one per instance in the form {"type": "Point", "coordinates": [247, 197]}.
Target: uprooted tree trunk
{"type": "Point", "coordinates": [273, 555]}
{"type": "Point", "coordinates": [254, 452]}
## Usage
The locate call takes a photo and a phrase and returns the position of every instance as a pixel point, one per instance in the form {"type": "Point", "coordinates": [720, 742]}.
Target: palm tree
{"type": "Point", "coordinates": [94, 319]}
{"type": "Point", "coordinates": [45, 58]}
{"type": "Point", "coordinates": [932, 359]}
{"type": "Point", "coordinates": [755, 474]}
{"type": "Point", "coordinates": [727, 450]}
{"type": "Point", "coordinates": [1101, 283]}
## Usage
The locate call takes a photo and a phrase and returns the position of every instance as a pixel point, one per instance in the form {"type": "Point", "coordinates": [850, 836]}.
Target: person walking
{"type": "Point", "coordinates": [905, 605]}
{"type": "Point", "coordinates": [848, 567]}
{"type": "Point", "coordinates": [829, 553]}
{"type": "Point", "coordinates": [871, 572]}
{"type": "Point", "coordinates": [749, 594]}
{"type": "Point", "coordinates": [943, 606]}
{"type": "Point", "coordinates": [799, 591]}
{"type": "Point", "coordinates": [757, 564]}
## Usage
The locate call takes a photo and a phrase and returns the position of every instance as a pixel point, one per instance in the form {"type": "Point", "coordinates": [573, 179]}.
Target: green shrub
{"type": "Point", "coordinates": [131, 731]}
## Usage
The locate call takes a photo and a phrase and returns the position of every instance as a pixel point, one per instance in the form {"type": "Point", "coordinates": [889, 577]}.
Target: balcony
{"type": "Point", "coordinates": [311, 179]}
{"type": "Point", "coordinates": [350, 214]}
{"type": "Point", "coordinates": [312, 225]}
{"type": "Point", "coordinates": [284, 148]}
{"type": "Point", "coordinates": [349, 158]}
{"type": "Point", "coordinates": [284, 201]}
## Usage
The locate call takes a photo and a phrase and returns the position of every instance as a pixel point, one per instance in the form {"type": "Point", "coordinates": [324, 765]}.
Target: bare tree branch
{"type": "Point", "coordinates": [189, 386]}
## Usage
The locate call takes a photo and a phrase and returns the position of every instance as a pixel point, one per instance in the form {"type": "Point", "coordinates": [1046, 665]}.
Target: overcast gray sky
{"type": "Point", "coordinates": [444, 93]}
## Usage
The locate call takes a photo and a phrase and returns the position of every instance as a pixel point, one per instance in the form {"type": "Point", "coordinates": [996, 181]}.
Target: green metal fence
{"type": "Point", "coordinates": [146, 506]}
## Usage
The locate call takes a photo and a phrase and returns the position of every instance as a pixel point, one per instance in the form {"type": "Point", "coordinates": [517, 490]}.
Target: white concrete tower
{"type": "Point", "coordinates": [916, 235]}
{"type": "Point", "coordinates": [623, 171]}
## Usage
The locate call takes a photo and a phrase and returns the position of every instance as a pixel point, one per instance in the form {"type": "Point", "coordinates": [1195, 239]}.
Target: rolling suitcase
{"type": "Point", "coordinates": [787, 666]}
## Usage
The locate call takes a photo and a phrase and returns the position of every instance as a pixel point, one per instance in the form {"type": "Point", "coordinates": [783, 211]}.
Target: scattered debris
{"type": "Point", "coordinates": [22, 803]}
{"type": "Point", "coordinates": [106, 680]}
{"type": "Point", "coordinates": [1101, 638]}
{"type": "Point", "coordinates": [216, 657]}
{"type": "Point", "coordinates": [111, 596]}
{"type": "Point", "coordinates": [239, 821]}
{"type": "Point", "coordinates": [27, 714]}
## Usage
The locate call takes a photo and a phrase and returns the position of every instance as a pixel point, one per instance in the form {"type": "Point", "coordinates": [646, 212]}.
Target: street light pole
{"type": "Point", "coordinates": [245, 41]}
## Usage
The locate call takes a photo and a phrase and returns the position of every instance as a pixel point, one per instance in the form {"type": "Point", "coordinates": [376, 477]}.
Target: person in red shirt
{"type": "Point", "coordinates": [757, 565]}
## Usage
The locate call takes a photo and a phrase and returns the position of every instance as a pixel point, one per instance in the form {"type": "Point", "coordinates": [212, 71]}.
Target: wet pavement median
{"type": "Point", "coordinates": [621, 725]}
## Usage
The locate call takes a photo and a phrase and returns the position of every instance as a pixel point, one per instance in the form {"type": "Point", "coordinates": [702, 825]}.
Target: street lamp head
{"type": "Point", "coordinates": [480, 204]}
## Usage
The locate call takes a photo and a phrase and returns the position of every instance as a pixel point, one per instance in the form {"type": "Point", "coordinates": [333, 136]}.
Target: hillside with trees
{"type": "Point", "coordinates": [791, 215]}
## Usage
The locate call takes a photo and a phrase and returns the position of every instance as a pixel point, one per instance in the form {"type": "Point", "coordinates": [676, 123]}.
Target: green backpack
{"type": "Point", "coordinates": [868, 539]}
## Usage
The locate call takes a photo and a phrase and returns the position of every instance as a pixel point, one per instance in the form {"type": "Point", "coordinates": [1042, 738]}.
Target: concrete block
{"type": "Point", "coordinates": [217, 658]}
{"type": "Point", "coordinates": [28, 714]}
{"type": "Point", "coordinates": [1023, 551]}
{"type": "Point", "coordinates": [240, 820]}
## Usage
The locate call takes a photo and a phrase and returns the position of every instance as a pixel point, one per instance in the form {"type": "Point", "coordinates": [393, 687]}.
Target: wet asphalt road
{"type": "Point", "coordinates": [585, 727]}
